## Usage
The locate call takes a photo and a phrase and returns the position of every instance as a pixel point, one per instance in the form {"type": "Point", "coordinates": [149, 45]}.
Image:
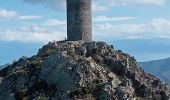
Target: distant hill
{"type": "Point", "coordinates": [2, 66]}
{"type": "Point", "coordinates": [160, 68]}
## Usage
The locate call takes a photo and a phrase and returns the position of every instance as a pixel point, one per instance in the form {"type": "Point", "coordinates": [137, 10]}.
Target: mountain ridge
{"type": "Point", "coordinates": [3, 66]}
{"type": "Point", "coordinates": [160, 68]}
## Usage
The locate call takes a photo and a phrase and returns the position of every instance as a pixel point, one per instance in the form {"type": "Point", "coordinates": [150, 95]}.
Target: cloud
{"type": "Point", "coordinates": [99, 8]}
{"type": "Point", "coordinates": [7, 14]}
{"type": "Point", "coordinates": [33, 37]}
{"type": "Point", "coordinates": [135, 2]}
{"type": "Point", "coordinates": [97, 5]}
{"type": "Point", "coordinates": [28, 17]}
{"type": "Point", "coordinates": [105, 18]}
{"type": "Point", "coordinates": [156, 28]}
{"type": "Point", "coordinates": [49, 30]}
{"type": "Point", "coordinates": [53, 4]}
{"type": "Point", "coordinates": [103, 5]}
{"type": "Point", "coordinates": [54, 22]}
{"type": "Point", "coordinates": [42, 33]}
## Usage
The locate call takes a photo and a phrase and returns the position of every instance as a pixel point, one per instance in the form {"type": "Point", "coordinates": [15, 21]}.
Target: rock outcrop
{"type": "Point", "coordinates": [74, 70]}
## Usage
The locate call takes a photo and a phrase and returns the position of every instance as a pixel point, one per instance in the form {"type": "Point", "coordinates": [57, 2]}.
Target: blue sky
{"type": "Point", "coordinates": [138, 27]}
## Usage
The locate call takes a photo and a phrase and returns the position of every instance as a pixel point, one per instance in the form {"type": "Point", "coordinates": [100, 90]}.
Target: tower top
{"type": "Point", "coordinates": [79, 20]}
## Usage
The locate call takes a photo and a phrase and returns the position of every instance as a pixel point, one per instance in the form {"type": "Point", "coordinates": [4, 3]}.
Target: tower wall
{"type": "Point", "coordinates": [79, 20]}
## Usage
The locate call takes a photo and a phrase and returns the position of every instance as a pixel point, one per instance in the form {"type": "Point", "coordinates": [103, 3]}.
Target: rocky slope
{"type": "Point", "coordinates": [66, 70]}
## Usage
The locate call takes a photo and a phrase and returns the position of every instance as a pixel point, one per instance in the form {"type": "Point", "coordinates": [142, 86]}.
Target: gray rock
{"type": "Point", "coordinates": [66, 70]}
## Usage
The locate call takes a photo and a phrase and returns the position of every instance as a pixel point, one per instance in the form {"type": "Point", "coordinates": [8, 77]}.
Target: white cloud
{"type": "Point", "coordinates": [136, 2]}
{"type": "Point", "coordinates": [35, 33]}
{"type": "Point", "coordinates": [49, 30]}
{"type": "Point", "coordinates": [105, 18]}
{"type": "Point", "coordinates": [53, 4]}
{"type": "Point", "coordinates": [28, 17]}
{"type": "Point", "coordinates": [7, 14]}
{"type": "Point", "coordinates": [98, 5]}
{"type": "Point", "coordinates": [156, 28]}
{"type": "Point", "coordinates": [106, 5]}
{"type": "Point", "coordinates": [54, 22]}
{"type": "Point", "coordinates": [28, 37]}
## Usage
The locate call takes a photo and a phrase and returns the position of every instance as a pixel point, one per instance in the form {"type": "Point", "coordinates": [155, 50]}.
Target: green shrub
{"type": "Point", "coordinates": [50, 51]}
{"type": "Point", "coordinates": [123, 80]}
{"type": "Point", "coordinates": [88, 89]}
{"type": "Point", "coordinates": [41, 98]}
{"type": "Point", "coordinates": [70, 50]}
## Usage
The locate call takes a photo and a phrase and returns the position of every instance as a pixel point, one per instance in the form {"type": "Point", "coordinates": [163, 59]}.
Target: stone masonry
{"type": "Point", "coordinates": [79, 20]}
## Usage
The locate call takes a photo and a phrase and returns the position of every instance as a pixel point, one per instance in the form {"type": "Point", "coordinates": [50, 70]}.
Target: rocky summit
{"type": "Point", "coordinates": [75, 70]}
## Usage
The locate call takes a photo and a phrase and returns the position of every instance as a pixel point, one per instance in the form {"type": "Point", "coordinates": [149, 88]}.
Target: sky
{"type": "Point", "coordinates": [138, 27]}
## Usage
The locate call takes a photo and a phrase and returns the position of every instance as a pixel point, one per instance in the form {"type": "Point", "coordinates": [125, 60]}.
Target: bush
{"type": "Point", "coordinates": [123, 80]}
{"type": "Point", "coordinates": [41, 98]}
{"type": "Point", "coordinates": [88, 89]}
{"type": "Point", "coordinates": [50, 51]}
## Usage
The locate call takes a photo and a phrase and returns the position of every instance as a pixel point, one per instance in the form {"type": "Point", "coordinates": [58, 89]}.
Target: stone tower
{"type": "Point", "coordinates": [79, 20]}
